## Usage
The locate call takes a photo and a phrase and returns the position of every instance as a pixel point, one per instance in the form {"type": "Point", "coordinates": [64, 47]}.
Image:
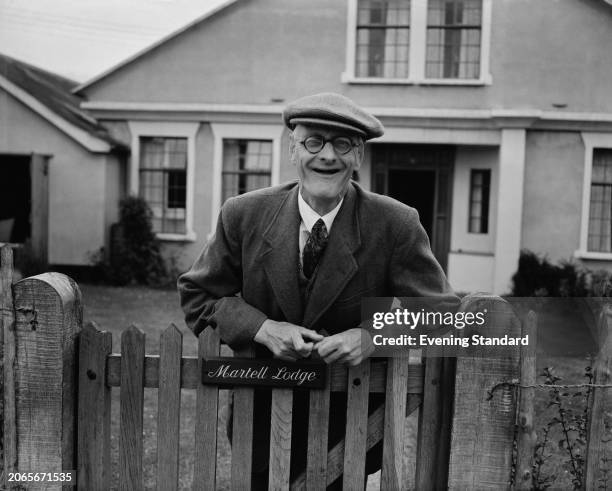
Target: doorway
{"type": "Point", "coordinates": [419, 176]}
{"type": "Point", "coordinates": [15, 198]}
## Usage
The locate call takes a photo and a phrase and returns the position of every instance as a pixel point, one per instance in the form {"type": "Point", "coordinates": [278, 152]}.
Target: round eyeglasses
{"type": "Point", "coordinates": [341, 144]}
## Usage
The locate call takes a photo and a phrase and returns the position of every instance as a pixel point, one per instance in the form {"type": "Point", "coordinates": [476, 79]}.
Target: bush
{"type": "Point", "coordinates": [135, 255]}
{"type": "Point", "coordinates": [537, 277]}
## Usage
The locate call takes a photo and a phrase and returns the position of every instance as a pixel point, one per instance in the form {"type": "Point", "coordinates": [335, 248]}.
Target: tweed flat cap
{"type": "Point", "coordinates": [332, 110]}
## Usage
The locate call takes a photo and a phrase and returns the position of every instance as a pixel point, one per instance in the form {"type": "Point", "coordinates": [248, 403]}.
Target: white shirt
{"type": "Point", "coordinates": [310, 217]}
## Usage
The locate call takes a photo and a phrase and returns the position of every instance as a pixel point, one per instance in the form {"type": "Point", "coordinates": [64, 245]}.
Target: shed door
{"type": "Point", "coordinates": [39, 169]}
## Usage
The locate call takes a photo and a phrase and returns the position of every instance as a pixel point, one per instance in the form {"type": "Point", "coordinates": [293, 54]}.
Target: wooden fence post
{"type": "Point", "coordinates": [484, 421]}
{"type": "Point", "coordinates": [48, 317]}
{"type": "Point", "coordinates": [598, 465]}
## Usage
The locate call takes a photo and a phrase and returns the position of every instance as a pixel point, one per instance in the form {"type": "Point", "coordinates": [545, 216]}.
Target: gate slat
{"type": "Point", "coordinates": [169, 408]}
{"type": "Point", "coordinates": [356, 426]}
{"type": "Point", "coordinates": [207, 406]}
{"type": "Point", "coordinates": [93, 457]}
{"type": "Point", "coordinates": [130, 412]}
{"type": "Point", "coordinates": [395, 415]}
{"type": "Point", "coordinates": [318, 425]}
{"type": "Point", "coordinates": [242, 433]}
{"type": "Point", "coordinates": [280, 439]}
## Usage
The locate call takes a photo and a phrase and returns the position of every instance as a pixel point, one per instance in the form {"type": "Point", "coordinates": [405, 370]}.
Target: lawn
{"type": "Point", "coordinates": [152, 310]}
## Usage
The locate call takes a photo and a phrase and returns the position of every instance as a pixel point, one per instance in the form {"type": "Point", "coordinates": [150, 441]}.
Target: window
{"type": "Point", "coordinates": [480, 185]}
{"type": "Point", "coordinates": [453, 39]}
{"type": "Point", "coordinates": [163, 181]}
{"type": "Point", "coordinates": [600, 210]}
{"type": "Point", "coordinates": [247, 165]}
{"type": "Point", "coordinates": [383, 38]}
{"type": "Point", "coordinates": [418, 41]}
{"type": "Point", "coordinates": [162, 168]}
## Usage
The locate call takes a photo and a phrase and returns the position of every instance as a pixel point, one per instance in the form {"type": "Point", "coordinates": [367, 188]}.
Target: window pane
{"type": "Point", "coordinates": [453, 39]}
{"type": "Point", "coordinates": [480, 183]}
{"type": "Point", "coordinates": [247, 165]}
{"type": "Point", "coordinates": [163, 181]}
{"type": "Point", "coordinates": [383, 38]}
{"type": "Point", "coordinates": [600, 209]}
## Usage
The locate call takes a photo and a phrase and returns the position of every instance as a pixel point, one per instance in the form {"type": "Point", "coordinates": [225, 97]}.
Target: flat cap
{"type": "Point", "coordinates": [332, 110]}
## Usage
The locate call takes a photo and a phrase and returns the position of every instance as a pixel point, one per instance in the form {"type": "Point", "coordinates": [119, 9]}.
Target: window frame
{"type": "Point", "coordinates": [417, 50]}
{"type": "Point", "coordinates": [236, 131]}
{"type": "Point", "coordinates": [484, 210]}
{"type": "Point", "coordinates": [166, 129]}
{"type": "Point", "coordinates": [591, 141]}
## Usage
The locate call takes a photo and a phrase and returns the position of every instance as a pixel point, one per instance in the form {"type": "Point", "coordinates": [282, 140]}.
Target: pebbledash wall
{"type": "Point", "coordinates": [84, 187]}
{"type": "Point", "coordinates": [541, 103]}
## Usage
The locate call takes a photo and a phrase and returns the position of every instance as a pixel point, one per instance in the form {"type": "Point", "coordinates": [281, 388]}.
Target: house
{"type": "Point", "coordinates": [61, 174]}
{"type": "Point", "coordinates": [498, 119]}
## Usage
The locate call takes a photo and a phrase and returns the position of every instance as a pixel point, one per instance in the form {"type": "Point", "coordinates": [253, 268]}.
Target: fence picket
{"type": "Point", "coordinates": [395, 415]}
{"type": "Point", "coordinates": [169, 408]}
{"type": "Point", "coordinates": [526, 438]}
{"type": "Point", "coordinates": [318, 425]}
{"type": "Point", "coordinates": [356, 425]}
{"type": "Point", "coordinates": [598, 465]}
{"type": "Point", "coordinates": [207, 407]}
{"type": "Point", "coordinates": [280, 439]}
{"type": "Point", "coordinates": [94, 395]}
{"type": "Point", "coordinates": [242, 433]}
{"type": "Point", "coordinates": [131, 407]}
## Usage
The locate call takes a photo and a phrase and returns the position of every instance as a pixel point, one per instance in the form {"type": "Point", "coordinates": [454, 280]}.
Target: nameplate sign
{"type": "Point", "coordinates": [228, 371]}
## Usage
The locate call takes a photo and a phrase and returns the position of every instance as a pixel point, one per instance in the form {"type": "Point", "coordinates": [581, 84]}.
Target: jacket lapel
{"type": "Point", "coordinates": [338, 264]}
{"type": "Point", "coordinates": [280, 257]}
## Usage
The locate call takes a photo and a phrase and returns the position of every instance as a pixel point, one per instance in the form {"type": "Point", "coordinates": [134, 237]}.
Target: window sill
{"type": "Point", "coordinates": [601, 256]}
{"type": "Point", "coordinates": [350, 79]}
{"type": "Point", "coordinates": [188, 237]}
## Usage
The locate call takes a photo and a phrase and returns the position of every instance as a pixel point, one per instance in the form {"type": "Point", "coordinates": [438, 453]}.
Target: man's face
{"type": "Point", "coordinates": [324, 176]}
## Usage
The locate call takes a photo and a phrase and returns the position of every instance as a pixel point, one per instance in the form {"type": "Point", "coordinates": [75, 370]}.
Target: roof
{"type": "Point", "coordinates": [50, 95]}
{"type": "Point", "coordinates": [154, 46]}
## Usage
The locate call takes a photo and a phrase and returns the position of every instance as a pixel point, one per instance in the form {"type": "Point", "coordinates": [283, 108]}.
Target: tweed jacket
{"type": "Point", "coordinates": [249, 270]}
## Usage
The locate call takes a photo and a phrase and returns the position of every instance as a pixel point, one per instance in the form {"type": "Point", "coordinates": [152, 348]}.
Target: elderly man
{"type": "Point", "coordinates": [288, 265]}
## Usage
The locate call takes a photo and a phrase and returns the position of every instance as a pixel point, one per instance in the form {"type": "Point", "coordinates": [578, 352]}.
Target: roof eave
{"type": "Point", "coordinates": [90, 142]}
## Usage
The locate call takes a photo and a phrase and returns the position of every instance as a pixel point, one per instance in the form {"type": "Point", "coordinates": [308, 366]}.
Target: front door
{"type": "Point", "coordinates": [419, 176]}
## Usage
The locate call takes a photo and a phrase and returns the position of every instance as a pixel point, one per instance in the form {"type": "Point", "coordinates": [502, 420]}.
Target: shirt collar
{"type": "Point", "coordinates": [309, 216]}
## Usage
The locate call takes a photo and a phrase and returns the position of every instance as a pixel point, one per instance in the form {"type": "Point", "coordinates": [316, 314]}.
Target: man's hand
{"type": "Point", "coordinates": [285, 340]}
{"type": "Point", "coordinates": [350, 347]}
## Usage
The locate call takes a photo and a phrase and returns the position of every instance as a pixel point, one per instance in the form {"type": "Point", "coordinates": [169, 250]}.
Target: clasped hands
{"type": "Point", "coordinates": [291, 342]}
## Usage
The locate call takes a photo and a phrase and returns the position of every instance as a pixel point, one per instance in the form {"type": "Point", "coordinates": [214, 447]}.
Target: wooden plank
{"type": "Point", "coordinates": [335, 457]}
{"type": "Point", "coordinates": [280, 439]}
{"type": "Point", "coordinates": [483, 426]}
{"type": "Point", "coordinates": [130, 409]}
{"type": "Point", "coordinates": [207, 406]}
{"type": "Point", "coordinates": [395, 417]}
{"type": "Point", "coordinates": [526, 437]}
{"type": "Point", "coordinates": [48, 317]}
{"type": "Point", "coordinates": [318, 426]}
{"type": "Point", "coordinates": [191, 374]}
{"type": "Point", "coordinates": [242, 433]}
{"type": "Point", "coordinates": [93, 462]}
{"type": "Point", "coordinates": [435, 417]}
{"type": "Point", "coordinates": [599, 444]}
{"type": "Point", "coordinates": [356, 426]}
{"type": "Point", "coordinates": [169, 408]}
{"type": "Point", "coordinates": [8, 341]}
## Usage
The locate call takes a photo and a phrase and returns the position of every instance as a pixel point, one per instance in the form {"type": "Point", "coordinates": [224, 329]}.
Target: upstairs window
{"type": "Point", "coordinates": [383, 38]}
{"type": "Point", "coordinates": [453, 39]}
{"type": "Point", "coordinates": [418, 41]}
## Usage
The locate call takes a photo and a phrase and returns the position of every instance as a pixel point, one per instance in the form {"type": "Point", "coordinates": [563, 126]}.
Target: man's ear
{"type": "Point", "coordinates": [360, 150]}
{"type": "Point", "coordinates": [291, 147]}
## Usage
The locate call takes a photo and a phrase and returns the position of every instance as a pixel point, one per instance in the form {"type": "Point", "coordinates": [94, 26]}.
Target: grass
{"type": "Point", "coordinates": [115, 309]}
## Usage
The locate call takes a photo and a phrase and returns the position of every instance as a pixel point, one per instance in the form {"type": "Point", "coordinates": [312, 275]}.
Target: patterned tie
{"type": "Point", "coordinates": [313, 250]}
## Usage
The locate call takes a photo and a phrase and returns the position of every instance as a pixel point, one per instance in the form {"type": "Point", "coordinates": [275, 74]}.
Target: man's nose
{"type": "Point", "coordinates": [327, 152]}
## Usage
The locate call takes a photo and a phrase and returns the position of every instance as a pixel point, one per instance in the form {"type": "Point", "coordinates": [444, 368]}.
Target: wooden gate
{"type": "Point", "coordinates": [465, 432]}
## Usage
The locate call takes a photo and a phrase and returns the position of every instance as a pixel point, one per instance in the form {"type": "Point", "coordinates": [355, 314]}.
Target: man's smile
{"type": "Point", "coordinates": [329, 172]}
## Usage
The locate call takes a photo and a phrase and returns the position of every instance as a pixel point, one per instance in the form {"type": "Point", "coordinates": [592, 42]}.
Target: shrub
{"type": "Point", "coordinates": [135, 255]}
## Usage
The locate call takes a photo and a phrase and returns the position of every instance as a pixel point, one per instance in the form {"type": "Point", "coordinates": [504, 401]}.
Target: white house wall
{"type": "Point", "coordinates": [77, 182]}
